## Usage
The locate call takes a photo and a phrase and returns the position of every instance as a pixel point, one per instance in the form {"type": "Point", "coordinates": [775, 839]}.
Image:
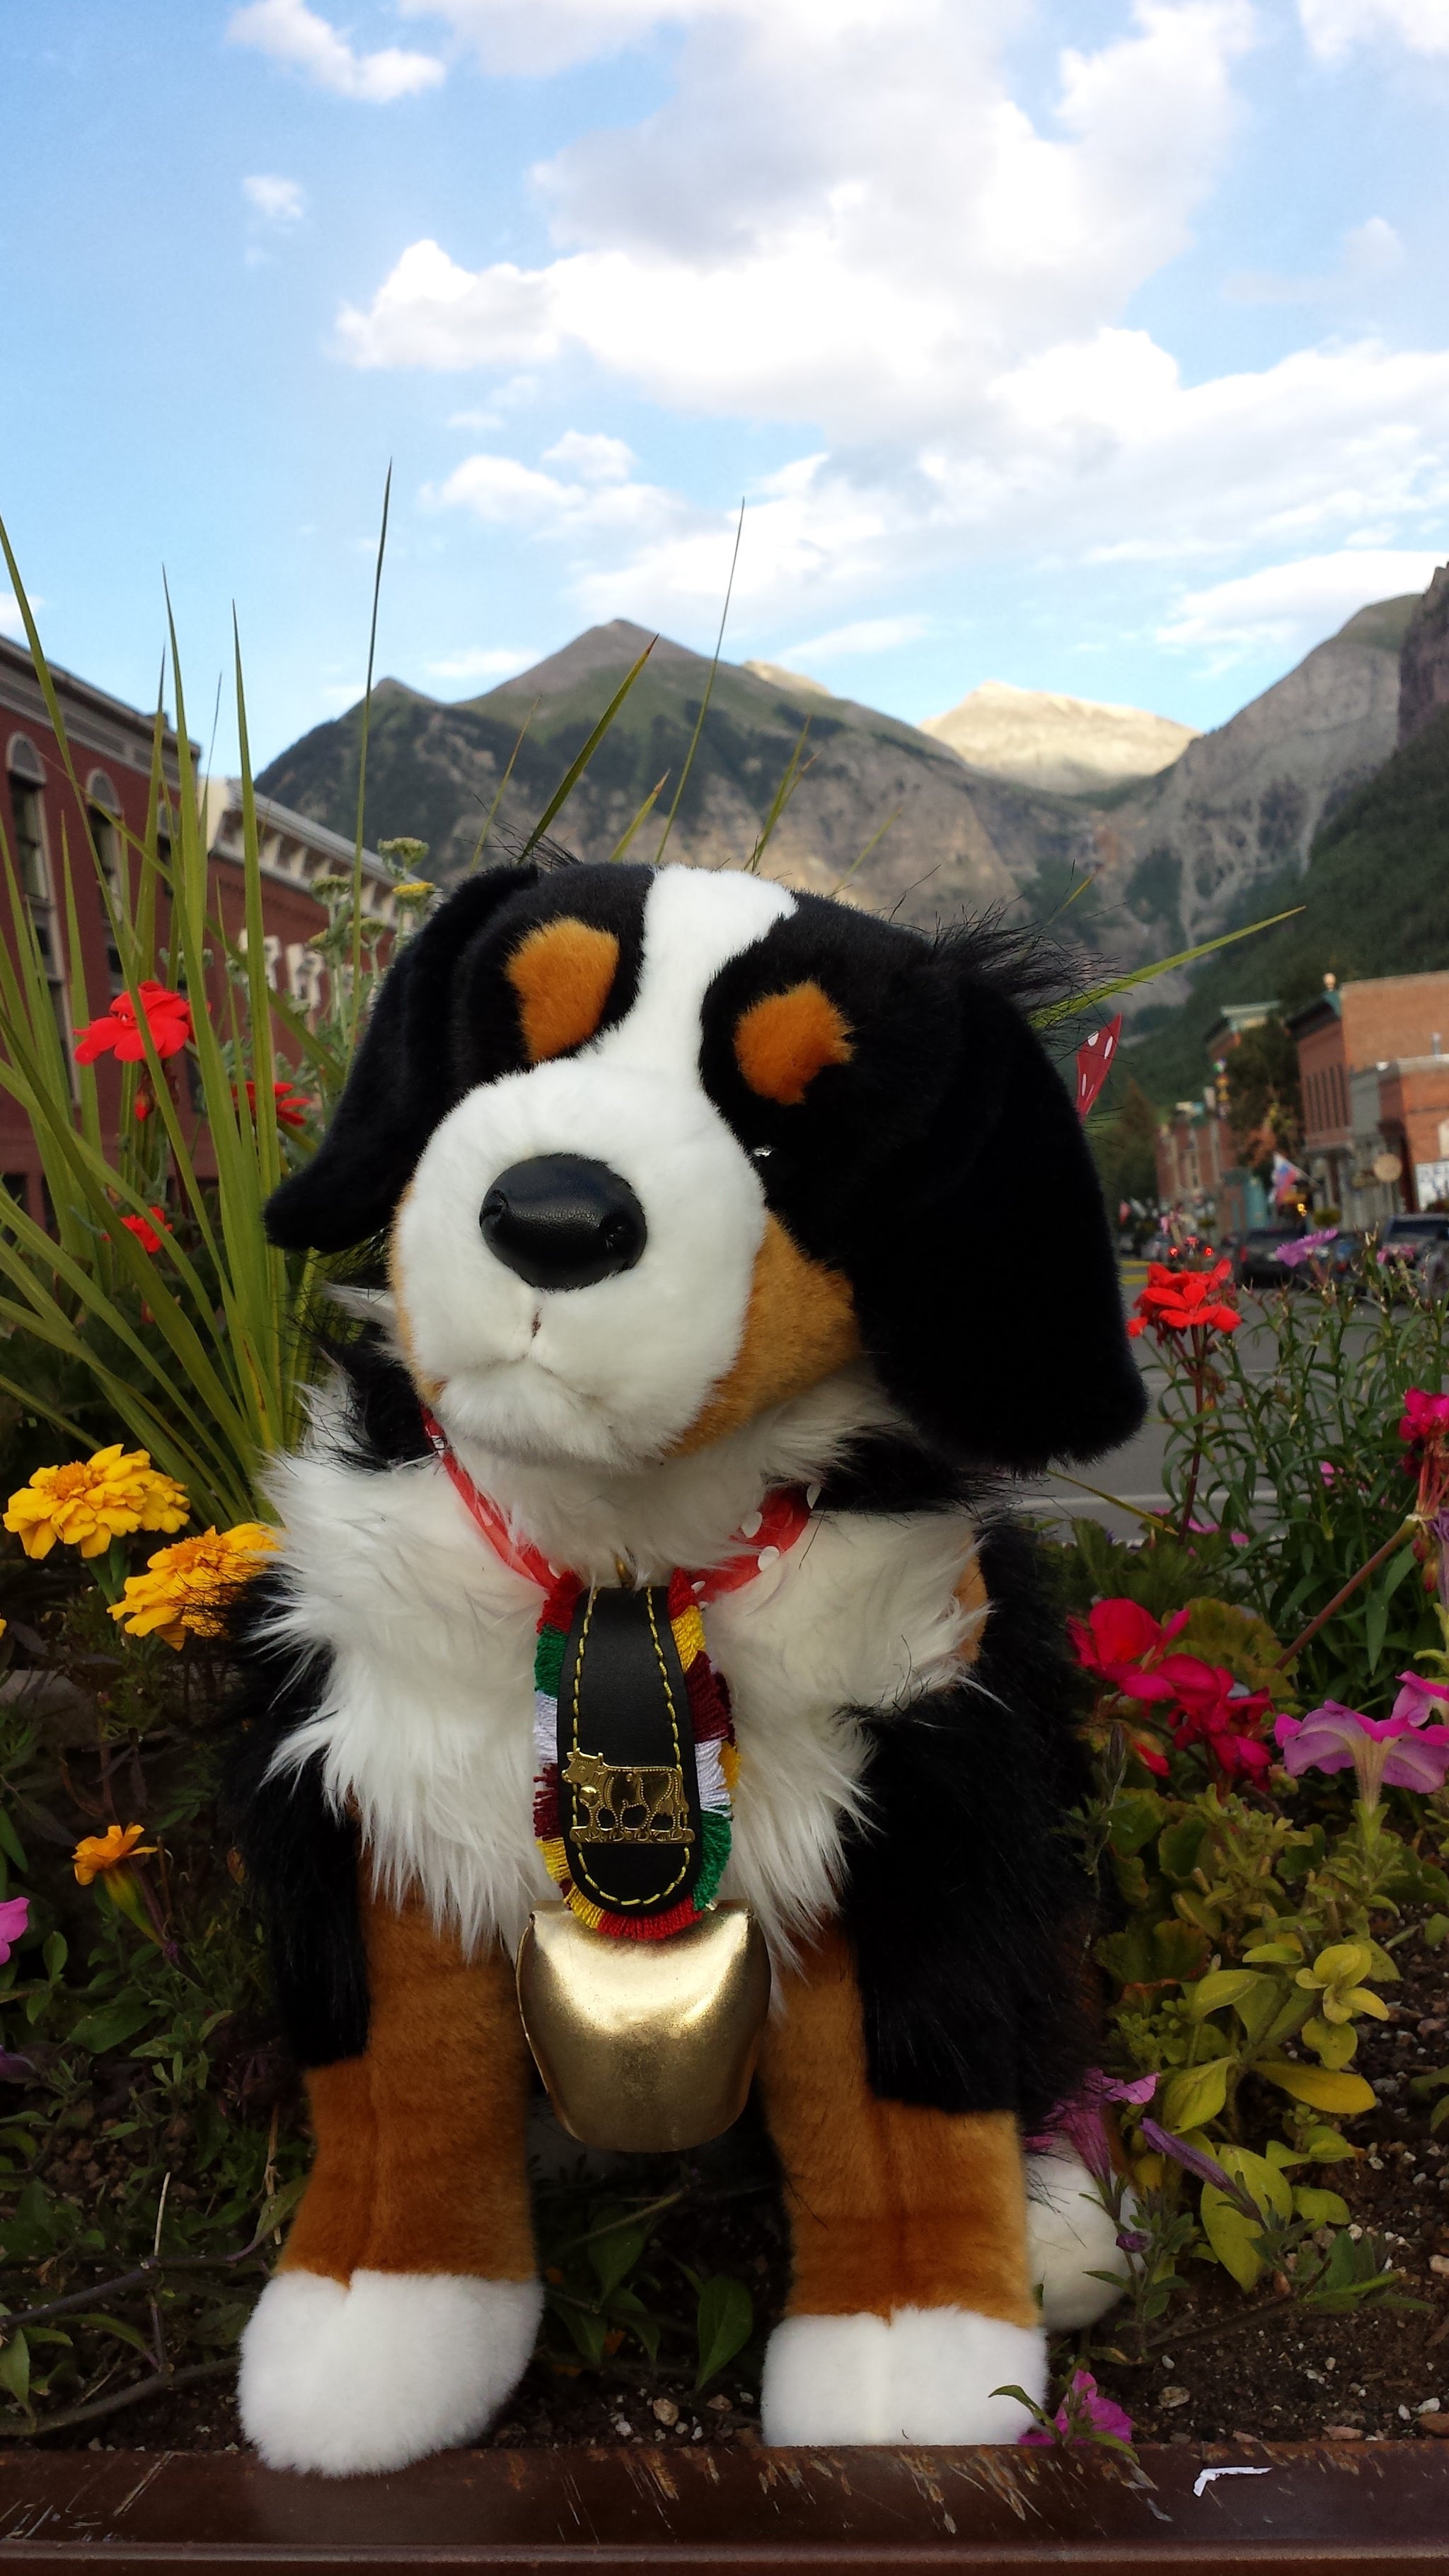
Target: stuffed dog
{"type": "Point", "coordinates": [736, 1241]}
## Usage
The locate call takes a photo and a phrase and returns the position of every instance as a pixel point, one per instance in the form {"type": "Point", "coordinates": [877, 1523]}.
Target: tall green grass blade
{"type": "Point", "coordinates": [872, 845]}
{"type": "Point", "coordinates": [620, 849]}
{"type": "Point", "coordinates": [795, 769]}
{"type": "Point", "coordinates": [491, 816]}
{"type": "Point", "coordinates": [354, 999]}
{"type": "Point", "coordinates": [576, 768]}
{"type": "Point", "coordinates": [704, 701]}
{"type": "Point", "coordinates": [1054, 1011]}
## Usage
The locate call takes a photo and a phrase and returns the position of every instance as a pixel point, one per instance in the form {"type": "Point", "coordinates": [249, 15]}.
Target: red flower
{"type": "Point", "coordinates": [1425, 1417]}
{"type": "Point", "coordinates": [1213, 1711]}
{"type": "Point", "coordinates": [146, 1235]}
{"type": "Point", "coordinates": [1121, 1642]}
{"type": "Point", "coordinates": [1184, 1301]}
{"type": "Point", "coordinates": [168, 1017]}
{"type": "Point", "coordinates": [292, 1105]}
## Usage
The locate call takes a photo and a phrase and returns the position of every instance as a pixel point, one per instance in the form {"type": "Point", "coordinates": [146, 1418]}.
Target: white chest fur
{"type": "Point", "coordinates": [426, 1722]}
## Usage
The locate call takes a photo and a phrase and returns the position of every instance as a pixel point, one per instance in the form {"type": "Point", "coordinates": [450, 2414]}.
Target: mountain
{"type": "Point", "coordinates": [1424, 662]}
{"type": "Point", "coordinates": [1070, 746]}
{"type": "Point", "coordinates": [948, 839]}
{"type": "Point", "coordinates": [1375, 901]}
{"type": "Point", "coordinates": [1194, 851]}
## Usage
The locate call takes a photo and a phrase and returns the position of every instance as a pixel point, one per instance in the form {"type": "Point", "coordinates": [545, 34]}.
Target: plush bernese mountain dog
{"type": "Point", "coordinates": [738, 1244]}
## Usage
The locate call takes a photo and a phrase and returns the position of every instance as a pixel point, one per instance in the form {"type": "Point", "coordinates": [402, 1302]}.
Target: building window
{"type": "Point", "coordinates": [102, 814]}
{"type": "Point", "coordinates": [27, 781]}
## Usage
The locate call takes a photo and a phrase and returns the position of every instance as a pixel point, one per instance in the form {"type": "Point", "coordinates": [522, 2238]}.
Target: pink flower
{"type": "Point", "coordinates": [1419, 1700]}
{"type": "Point", "coordinates": [1398, 1752]}
{"type": "Point", "coordinates": [1119, 1641]}
{"type": "Point", "coordinates": [1217, 1713]}
{"type": "Point", "coordinates": [1078, 2123]}
{"type": "Point", "coordinates": [1303, 1247]}
{"type": "Point", "coordinates": [1084, 2412]}
{"type": "Point", "coordinates": [1327, 1470]}
{"type": "Point", "coordinates": [14, 1916]}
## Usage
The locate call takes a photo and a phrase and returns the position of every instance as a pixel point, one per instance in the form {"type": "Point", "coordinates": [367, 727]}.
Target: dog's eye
{"type": "Point", "coordinates": [782, 1042]}
{"type": "Point", "coordinates": [563, 974]}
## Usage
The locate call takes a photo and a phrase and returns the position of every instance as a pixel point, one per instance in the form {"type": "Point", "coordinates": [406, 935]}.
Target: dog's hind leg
{"type": "Point", "coordinates": [407, 2302]}
{"type": "Point", "coordinates": [911, 2299]}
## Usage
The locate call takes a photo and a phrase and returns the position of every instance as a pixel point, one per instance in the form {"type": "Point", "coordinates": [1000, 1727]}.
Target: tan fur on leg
{"type": "Point", "coordinates": [420, 2156]}
{"type": "Point", "coordinates": [890, 2206]}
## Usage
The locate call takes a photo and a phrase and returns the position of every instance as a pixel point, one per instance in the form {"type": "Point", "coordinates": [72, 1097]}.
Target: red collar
{"type": "Point", "coordinates": [781, 1519]}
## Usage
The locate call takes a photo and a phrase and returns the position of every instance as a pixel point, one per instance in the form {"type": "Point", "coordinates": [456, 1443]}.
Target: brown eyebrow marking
{"type": "Point", "coordinates": [563, 973]}
{"type": "Point", "coordinates": [782, 1042]}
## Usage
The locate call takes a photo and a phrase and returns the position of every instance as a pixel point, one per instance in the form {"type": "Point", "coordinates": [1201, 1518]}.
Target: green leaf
{"type": "Point", "coordinates": [107, 2028]}
{"type": "Point", "coordinates": [1195, 2095]}
{"type": "Point", "coordinates": [1135, 1818]}
{"type": "Point", "coordinates": [1224, 1986]}
{"type": "Point", "coordinates": [1320, 2208]}
{"type": "Point", "coordinates": [15, 2370]}
{"type": "Point", "coordinates": [1178, 1847]}
{"type": "Point", "coordinates": [1232, 2236]}
{"type": "Point", "coordinates": [55, 1954]}
{"type": "Point", "coordinates": [614, 2256]}
{"type": "Point", "coordinates": [1434, 1931]}
{"type": "Point", "coordinates": [586, 2326]}
{"type": "Point", "coordinates": [118, 2327]}
{"type": "Point", "coordinates": [10, 1842]}
{"type": "Point", "coordinates": [1318, 2086]}
{"type": "Point", "coordinates": [1327, 2146]}
{"type": "Point", "coordinates": [725, 2321]}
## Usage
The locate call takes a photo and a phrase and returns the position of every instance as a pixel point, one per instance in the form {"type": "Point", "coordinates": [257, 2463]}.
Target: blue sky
{"type": "Point", "coordinates": [1087, 346]}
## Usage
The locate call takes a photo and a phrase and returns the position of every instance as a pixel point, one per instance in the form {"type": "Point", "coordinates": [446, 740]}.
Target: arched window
{"type": "Point", "coordinates": [26, 778]}
{"type": "Point", "coordinates": [103, 808]}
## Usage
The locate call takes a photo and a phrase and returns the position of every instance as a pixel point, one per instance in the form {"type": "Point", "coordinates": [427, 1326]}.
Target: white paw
{"type": "Point", "coordinates": [919, 2375]}
{"type": "Point", "coordinates": [1070, 2236]}
{"type": "Point", "coordinates": [347, 2379]}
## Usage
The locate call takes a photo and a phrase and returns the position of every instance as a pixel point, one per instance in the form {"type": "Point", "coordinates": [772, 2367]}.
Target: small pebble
{"type": "Point", "coordinates": [1435, 2424]}
{"type": "Point", "coordinates": [721, 2405]}
{"type": "Point", "coordinates": [665, 2411]}
{"type": "Point", "coordinates": [1174, 2396]}
{"type": "Point", "coordinates": [1343, 2432]}
{"type": "Point", "coordinates": [1440, 2263]}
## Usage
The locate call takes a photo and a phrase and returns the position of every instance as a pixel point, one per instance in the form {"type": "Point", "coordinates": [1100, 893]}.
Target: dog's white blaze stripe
{"type": "Point", "coordinates": [695, 921]}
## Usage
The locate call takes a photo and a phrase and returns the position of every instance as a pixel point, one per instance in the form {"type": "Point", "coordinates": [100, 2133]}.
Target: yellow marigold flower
{"type": "Point", "coordinates": [185, 1587]}
{"type": "Point", "coordinates": [92, 1501]}
{"type": "Point", "coordinates": [94, 1854]}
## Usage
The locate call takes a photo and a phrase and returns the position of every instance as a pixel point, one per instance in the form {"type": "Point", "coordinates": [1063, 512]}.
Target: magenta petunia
{"type": "Point", "coordinates": [1398, 1752]}
{"type": "Point", "coordinates": [14, 1916]}
{"type": "Point", "coordinates": [1085, 2410]}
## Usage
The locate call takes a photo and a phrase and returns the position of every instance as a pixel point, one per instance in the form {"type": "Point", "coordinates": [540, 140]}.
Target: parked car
{"type": "Point", "coordinates": [1420, 1244]}
{"type": "Point", "coordinates": [1255, 1264]}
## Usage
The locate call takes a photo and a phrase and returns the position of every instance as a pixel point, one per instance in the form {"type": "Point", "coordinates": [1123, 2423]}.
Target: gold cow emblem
{"type": "Point", "coordinates": [626, 1802]}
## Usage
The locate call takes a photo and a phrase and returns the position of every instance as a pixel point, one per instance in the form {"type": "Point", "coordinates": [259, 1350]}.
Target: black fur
{"type": "Point", "coordinates": [969, 1910]}
{"type": "Point", "coordinates": [299, 1855]}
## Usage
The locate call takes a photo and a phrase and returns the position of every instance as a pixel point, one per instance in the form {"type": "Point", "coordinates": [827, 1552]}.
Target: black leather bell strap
{"type": "Point", "coordinates": [635, 1753]}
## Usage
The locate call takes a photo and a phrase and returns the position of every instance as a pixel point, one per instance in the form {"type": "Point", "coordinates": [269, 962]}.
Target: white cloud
{"type": "Point", "coordinates": [11, 621]}
{"type": "Point", "coordinates": [1333, 27]}
{"type": "Point", "coordinates": [844, 219]}
{"type": "Point", "coordinates": [862, 635]}
{"type": "Point", "coordinates": [484, 662]}
{"type": "Point", "coordinates": [595, 458]}
{"type": "Point", "coordinates": [840, 216]}
{"type": "Point", "coordinates": [277, 201]}
{"type": "Point", "coordinates": [1289, 606]}
{"type": "Point", "coordinates": [292, 33]}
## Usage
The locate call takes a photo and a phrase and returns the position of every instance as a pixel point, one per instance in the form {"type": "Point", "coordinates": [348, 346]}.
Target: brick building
{"type": "Point", "coordinates": [1194, 1153]}
{"type": "Point", "coordinates": [41, 817]}
{"type": "Point", "coordinates": [1374, 1061]}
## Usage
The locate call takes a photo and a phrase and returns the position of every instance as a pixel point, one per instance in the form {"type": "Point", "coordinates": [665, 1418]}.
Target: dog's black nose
{"type": "Point", "coordinates": [562, 1221]}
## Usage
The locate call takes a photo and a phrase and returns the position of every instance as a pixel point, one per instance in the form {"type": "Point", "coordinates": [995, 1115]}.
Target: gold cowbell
{"type": "Point", "coordinates": [645, 2046]}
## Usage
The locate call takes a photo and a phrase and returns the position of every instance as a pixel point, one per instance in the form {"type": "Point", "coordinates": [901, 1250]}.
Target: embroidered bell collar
{"type": "Point", "coordinates": [635, 1755]}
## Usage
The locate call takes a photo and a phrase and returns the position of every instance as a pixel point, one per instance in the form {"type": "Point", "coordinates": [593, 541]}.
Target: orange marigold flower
{"type": "Point", "coordinates": [88, 1503]}
{"type": "Point", "coordinates": [94, 1854]}
{"type": "Point", "coordinates": [185, 1588]}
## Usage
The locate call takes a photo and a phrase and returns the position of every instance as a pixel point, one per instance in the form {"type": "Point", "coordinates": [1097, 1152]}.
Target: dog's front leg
{"type": "Point", "coordinates": [407, 2302]}
{"type": "Point", "coordinates": [911, 2299]}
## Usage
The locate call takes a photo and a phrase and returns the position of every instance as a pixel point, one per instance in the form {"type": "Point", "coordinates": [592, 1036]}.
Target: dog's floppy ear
{"type": "Point", "coordinates": [400, 1085]}
{"type": "Point", "coordinates": [994, 1315]}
